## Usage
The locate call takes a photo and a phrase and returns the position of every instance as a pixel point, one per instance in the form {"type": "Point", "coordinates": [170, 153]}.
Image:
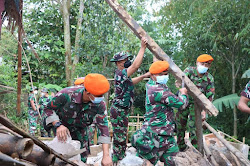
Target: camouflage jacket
{"type": "Point", "coordinates": [205, 83]}
{"type": "Point", "coordinates": [68, 107]}
{"type": "Point", "coordinates": [43, 101]}
{"type": "Point", "coordinates": [159, 116]}
{"type": "Point", "coordinates": [246, 91]}
{"type": "Point", "coordinates": [31, 97]}
{"type": "Point", "coordinates": [124, 89]}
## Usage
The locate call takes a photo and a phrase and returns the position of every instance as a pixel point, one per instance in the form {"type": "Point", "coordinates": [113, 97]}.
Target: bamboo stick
{"type": "Point", "coordinates": [235, 151]}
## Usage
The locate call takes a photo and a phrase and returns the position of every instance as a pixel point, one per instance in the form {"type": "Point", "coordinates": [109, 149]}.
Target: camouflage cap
{"type": "Point", "coordinates": [45, 90]}
{"type": "Point", "coordinates": [35, 88]}
{"type": "Point", "coordinates": [120, 56]}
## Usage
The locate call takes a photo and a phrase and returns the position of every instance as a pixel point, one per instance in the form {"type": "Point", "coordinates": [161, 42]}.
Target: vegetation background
{"type": "Point", "coordinates": [184, 29]}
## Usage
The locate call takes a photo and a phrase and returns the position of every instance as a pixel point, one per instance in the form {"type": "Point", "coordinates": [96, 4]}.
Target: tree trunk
{"type": "Point", "coordinates": [77, 40]}
{"type": "Point", "coordinates": [67, 41]}
{"type": "Point", "coordinates": [19, 81]}
{"type": "Point", "coordinates": [233, 91]}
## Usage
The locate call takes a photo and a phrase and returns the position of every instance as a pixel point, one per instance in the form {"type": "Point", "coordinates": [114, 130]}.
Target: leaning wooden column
{"type": "Point", "coordinates": [19, 61]}
{"type": "Point", "coordinates": [160, 54]}
{"type": "Point", "coordinates": [199, 130]}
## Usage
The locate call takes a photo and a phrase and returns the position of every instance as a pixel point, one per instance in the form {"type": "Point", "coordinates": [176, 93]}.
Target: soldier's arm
{"type": "Point", "coordinates": [136, 80]}
{"type": "Point", "coordinates": [138, 60]}
{"type": "Point", "coordinates": [242, 105]}
{"type": "Point", "coordinates": [102, 124]}
{"type": "Point", "coordinates": [32, 102]}
{"type": "Point", "coordinates": [53, 106]}
{"type": "Point", "coordinates": [171, 100]}
{"type": "Point", "coordinates": [210, 89]}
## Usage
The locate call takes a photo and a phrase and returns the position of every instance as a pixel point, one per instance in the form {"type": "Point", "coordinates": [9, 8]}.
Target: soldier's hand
{"type": "Point", "coordinates": [147, 75]}
{"type": "Point", "coordinates": [183, 91]}
{"type": "Point", "coordinates": [144, 42]}
{"type": "Point", "coordinates": [203, 115]}
{"type": "Point", "coordinates": [62, 133]}
{"type": "Point", "coordinates": [107, 161]}
{"type": "Point", "coordinates": [177, 84]}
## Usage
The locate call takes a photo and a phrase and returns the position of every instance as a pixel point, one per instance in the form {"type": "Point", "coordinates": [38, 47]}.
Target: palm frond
{"type": "Point", "coordinates": [228, 101]}
{"type": "Point", "coordinates": [246, 74]}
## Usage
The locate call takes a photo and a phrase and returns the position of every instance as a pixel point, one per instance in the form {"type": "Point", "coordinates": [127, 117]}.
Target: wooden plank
{"type": "Point", "coordinates": [160, 54]}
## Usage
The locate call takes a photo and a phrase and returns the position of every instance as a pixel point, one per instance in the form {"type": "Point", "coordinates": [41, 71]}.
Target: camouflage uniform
{"type": "Point", "coordinates": [206, 85]}
{"type": "Point", "coordinates": [155, 141]}
{"type": "Point", "coordinates": [246, 91]}
{"type": "Point", "coordinates": [32, 115]}
{"type": "Point", "coordinates": [119, 112]}
{"type": "Point", "coordinates": [92, 128]}
{"type": "Point", "coordinates": [68, 107]}
{"type": "Point", "coordinates": [43, 101]}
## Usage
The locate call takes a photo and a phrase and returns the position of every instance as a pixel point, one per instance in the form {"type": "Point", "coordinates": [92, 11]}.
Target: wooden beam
{"type": "Point", "coordinates": [231, 148]}
{"type": "Point", "coordinates": [160, 54]}
{"type": "Point", "coordinates": [199, 130]}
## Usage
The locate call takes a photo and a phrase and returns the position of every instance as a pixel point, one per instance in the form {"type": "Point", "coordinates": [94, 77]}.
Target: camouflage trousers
{"type": "Point", "coordinates": [40, 121]}
{"type": "Point", "coordinates": [154, 147]}
{"type": "Point", "coordinates": [119, 121]}
{"type": "Point", "coordinates": [32, 118]}
{"type": "Point", "coordinates": [182, 118]}
{"type": "Point", "coordinates": [81, 134]}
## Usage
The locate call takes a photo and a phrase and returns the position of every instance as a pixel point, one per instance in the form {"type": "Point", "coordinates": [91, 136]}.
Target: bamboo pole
{"type": "Point", "coordinates": [6, 160]}
{"type": "Point", "coordinates": [235, 151]}
{"type": "Point", "coordinates": [160, 54]}
{"type": "Point", "coordinates": [19, 66]}
{"type": "Point", "coordinates": [8, 123]}
{"type": "Point", "coordinates": [9, 144]}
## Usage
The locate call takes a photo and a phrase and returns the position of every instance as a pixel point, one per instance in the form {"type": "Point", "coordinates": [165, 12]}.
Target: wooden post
{"type": "Point", "coordinates": [19, 66]}
{"type": "Point", "coordinates": [198, 126]}
{"type": "Point", "coordinates": [138, 122]}
{"type": "Point", "coordinates": [160, 54]}
{"type": "Point", "coordinates": [235, 151]}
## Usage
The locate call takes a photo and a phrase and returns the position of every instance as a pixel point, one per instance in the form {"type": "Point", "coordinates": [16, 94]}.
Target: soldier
{"type": "Point", "coordinates": [73, 109]}
{"type": "Point", "coordinates": [244, 99]}
{"type": "Point", "coordinates": [205, 83]}
{"type": "Point", "coordinates": [43, 101]}
{"type": "Point", "coordinates": [79, 81]}
{"type": "Point", "coordinates": [155, 140]}
{"type": "Point", "coordinates": [124, 94]}
{"type": "Point", "coordinates": [32, 111]}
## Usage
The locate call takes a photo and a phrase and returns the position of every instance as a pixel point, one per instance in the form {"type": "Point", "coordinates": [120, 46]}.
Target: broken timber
{"type": "Point", "coordinates": [7, 123]}
{"type": "Point", "coordinates": [160, 54]}
{"type": "Point", "coordinates": [235, 151]}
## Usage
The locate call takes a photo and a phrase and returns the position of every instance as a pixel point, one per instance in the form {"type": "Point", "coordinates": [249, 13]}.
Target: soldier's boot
{"type": "Point", "coordinates": [43, 134]}
{"type": "Point", "coordinates": [49, 134]}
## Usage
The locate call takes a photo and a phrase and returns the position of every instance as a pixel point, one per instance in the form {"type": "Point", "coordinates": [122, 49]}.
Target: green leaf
{"type": "Point", "coordinates": [246, 74]}
{"type": "Point", "coordinates": [228, 101]}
